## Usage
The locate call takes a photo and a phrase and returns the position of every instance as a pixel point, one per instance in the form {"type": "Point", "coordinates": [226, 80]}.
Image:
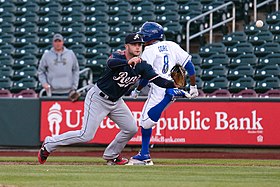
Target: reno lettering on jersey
{"type": "Point", "coordinates": [123, 80]}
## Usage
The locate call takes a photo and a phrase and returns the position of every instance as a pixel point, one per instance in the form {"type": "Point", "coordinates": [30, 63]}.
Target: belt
{"type": "Point", "coordinates": [107, 97]}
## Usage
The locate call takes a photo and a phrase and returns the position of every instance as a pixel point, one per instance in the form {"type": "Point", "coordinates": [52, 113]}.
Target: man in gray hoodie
{"type": "Point", "coordinates": [58, 70]}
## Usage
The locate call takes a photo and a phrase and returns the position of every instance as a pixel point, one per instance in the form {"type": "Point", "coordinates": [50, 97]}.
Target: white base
{"type": "Point", "coordinates": [133, 162]}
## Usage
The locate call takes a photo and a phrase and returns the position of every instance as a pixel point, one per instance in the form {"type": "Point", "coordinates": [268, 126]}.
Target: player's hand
{"type": "Point", "coordinates": [46, 86]}
{"type": "Point", "coordinates": [193, 91]}
{"type": "Point", "coordinates": [135, 93]}
{"type": "Point", "coordinates": [133, 61]}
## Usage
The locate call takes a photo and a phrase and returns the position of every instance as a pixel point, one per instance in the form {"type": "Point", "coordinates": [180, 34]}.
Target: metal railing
{"type": "Point", "coordinates": [89, 83]}
{"type": "Point", "coordinates": [256, 6]}
{"type": "Point", "coordinates": [211, 26]}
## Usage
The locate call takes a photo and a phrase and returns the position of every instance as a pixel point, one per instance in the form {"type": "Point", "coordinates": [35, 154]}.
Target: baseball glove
{"type": "Point", "coordinates": [73, 95]}
{"type": "Point", "coordinates": [178, 74]}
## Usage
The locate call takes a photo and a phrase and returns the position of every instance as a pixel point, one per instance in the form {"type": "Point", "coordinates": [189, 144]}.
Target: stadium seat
{"type": "Point", "coordinates": [26, 39]}
{"type": "Point", "coordinates": [121, 16]}
{"type": "Point", "coordinates": [73, 6]}
{"type": "Point", "coordinates": [26, 28]}
{"type": "Point", "coordinates": [242, 84]}
{"type": "Point", "coordinates": [245, 93]}
{"type": "Point", "coordinates": [6, 60]}
{"type": "Point", "coordinates": [196, 59]}
{"type": "Point", "coordinates": [73, 28]}
{"type": "Point", "coordinates": [50, 17]}
{"type": "Point", "coordinates": [27, 49]}
{"type": "Point", "coordinates": [267, 48]}
{"type": "Point", "coordinates": [6, 71]}
{"type": "Point", "coordinates": [50, 28]}
{"type": "Point", "coordinates": [78, 49]}
{"type": "Point", "coordinates": [96, 6]}
{"type": "Point", "coordinates": [267, 84]}
{"type": "Point", "coordinates": [277, 38]}
{"type": "Point", "coordinates": [6, 27]}
{"type": "Point", "coordinates": [267, 71]}
{"type": "Point", "coordinates": [166, 6]}
{"type": "Point", "coordinates": [5, 93]}
{"type": "Point", "coordinates": [270, 93]}
{"type": "Point", "coordinates": [72, 18]}
{"type": "Point", "coordinates": [51, 6]}
{"type": "Point", "coordinates": [5, 83]}
{"type": "Point", "coordinates": [30, 71]}
{"type": "Point", "coordinates": [123, 27]}
{"type": "Point", "coordinates": [189, 6]}
{"type": "Point", "coordinates": [81, 60]}
{"type": "Point", "coordinates": [7, 6]}
{"type": "Point", "coordinates": [173, 31]}
{"type": "Point", "coordinates": [117, 40]}
{"type": "Point", "coordinates": [270, 59]}
{"type": "Point", "coordinates": [7, 38]}
{"type": "Point", "coordinates": [29, 6]}
{"type": "Point", "coordinates": [167, 16]}
{"type": "Point", "coordinates": [215, 71]}
{"type": "Point", "coordinates": [96, 28]}
{"type": "Point", "coordinates": [44, 48]}
{"type": "Point", "coordinates": [220, 93]}
{"type": "Point", "coordinates": [99, 49]}
{"type": "Point", "coordinates": [260, 38]}
{"type": "Point", "coordinates": [240, 71]}
{"type": "Point", "coordinates": [26, 94]}
{"type": "Point", "coordinates": [275, 28]}
{"type": "Point", "coordinates": [273, 17]}
{"type": "Point", "coordinates": [240, 48]}
{"type": "Point", "coordinates": [215, 60]}
{"type": "Point", "coordinates": [7, 49]}
{"type": "Point", "coordinates": [7, 17]}
{"type": "Point", "coordinates": [141, 17]}
{"type": "Point", "coordinates": [27, 60]}
{"type": "Point", "coordinates": [27, 17]}
{"type": "Point", "coordinates": [119, 6]}
{"type": "Point", "coordinates": [143, 6]}
{"type": "Point", "coordinates": [97, 38]}
{"type": "Point", "coordinates": [198, 71]}
{"type": "Point", "coordinates": [215, 84]}
{"type": "Point", "coordinates": [97, 17]}
{"type": "Point", "coordinates": [234, 38]}
{"type": "Point", "coordinates": [23, 84]}
{"type": "Point", "coordinates": [244, 60]}
{"type": "Point", "coordinates": [211, 49]}
{"type": "Point", "coordinates": [253, 29]}
{"type": "Point", "coordinates": [75, 39]}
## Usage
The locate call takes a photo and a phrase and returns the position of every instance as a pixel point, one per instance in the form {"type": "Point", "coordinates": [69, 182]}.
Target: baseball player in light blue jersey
{"type": "Point", "coordinates": [162, 56]}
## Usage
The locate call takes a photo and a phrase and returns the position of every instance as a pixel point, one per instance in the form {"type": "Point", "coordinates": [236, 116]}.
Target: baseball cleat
{"type": "Point", "coordinates": [43, 155]}
{"type": "Point", "coordinates": [117, 161]}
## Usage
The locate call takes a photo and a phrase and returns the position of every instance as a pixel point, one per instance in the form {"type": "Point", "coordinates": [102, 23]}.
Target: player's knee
{"type": "Point", "coordinates": [148, 123]}
{"type": "Point", "coordinates": [86, 136]}
{"type": "Point", "coordinates": [134, 128]}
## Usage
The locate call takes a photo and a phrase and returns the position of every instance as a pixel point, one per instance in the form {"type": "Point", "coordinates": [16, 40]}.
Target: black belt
{"type": "Point", "coordinates": [107, 97]}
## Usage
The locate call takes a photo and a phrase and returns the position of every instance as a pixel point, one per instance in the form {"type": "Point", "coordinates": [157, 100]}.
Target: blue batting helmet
{"type": "Point", "coordinates": [151, 31]}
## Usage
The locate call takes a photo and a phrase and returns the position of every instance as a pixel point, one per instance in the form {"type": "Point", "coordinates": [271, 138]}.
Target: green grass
{"type": "Point", "coordinates": [87, 171]}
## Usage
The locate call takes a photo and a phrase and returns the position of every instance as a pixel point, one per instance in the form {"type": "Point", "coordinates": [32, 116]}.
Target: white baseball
{"type": "Point", "coordinates": [259, 23]}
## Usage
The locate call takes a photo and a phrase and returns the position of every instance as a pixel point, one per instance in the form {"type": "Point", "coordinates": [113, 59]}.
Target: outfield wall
{"type": "Point", "coordinates": [202, 121]}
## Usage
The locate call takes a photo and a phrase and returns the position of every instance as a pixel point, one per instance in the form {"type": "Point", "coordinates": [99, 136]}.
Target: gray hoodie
{"type": "Point", "coordinates": [59, 70]}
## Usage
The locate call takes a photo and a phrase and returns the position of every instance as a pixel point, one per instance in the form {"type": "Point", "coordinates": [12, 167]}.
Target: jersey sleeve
{"type": "Point", "coordinates": [182, 57]}
{"type": "Point", "coordinates": [148, 71]}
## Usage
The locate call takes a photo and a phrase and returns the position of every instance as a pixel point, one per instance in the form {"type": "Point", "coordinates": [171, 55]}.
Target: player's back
{"type": "Point", "coordinates": [163, 55]}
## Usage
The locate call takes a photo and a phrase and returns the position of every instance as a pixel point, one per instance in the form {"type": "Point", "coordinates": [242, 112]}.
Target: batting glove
{"type": "Point", "coordinates": [134, 93]}
{"type": "Point", "coordinates": [193, 91]}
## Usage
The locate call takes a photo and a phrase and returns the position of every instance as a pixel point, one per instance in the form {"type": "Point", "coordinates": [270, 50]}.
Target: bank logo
{"type": "Point", "coordinates": [54, 118]}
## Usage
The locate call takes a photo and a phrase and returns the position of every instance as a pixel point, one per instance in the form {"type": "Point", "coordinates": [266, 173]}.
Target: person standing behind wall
{"type": "Point", "coordinates": [58, 69]}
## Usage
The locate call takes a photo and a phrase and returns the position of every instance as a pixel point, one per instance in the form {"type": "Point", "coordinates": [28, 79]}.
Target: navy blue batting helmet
{"type": "Point", "coordinates": [151, 31]}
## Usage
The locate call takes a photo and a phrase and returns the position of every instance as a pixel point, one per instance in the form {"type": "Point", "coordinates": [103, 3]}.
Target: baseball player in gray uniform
{"type": "Point", "coordinates": [124, 68]}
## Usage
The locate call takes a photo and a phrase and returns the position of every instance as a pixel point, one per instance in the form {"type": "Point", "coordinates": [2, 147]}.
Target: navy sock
{"type": "Point", "coordinates": [146, 136]}
{"type": "Point", "coordinates": [155, 112]}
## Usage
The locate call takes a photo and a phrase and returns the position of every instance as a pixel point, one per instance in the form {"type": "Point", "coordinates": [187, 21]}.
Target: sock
{"type": "Point", "coordinates": [146, 136]}
{"type": "Point", "coordinates": [155, 112]}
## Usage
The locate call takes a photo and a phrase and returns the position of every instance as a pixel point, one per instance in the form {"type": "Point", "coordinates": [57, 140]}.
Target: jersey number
{"type": "Point", "coordinates": [165, 65]}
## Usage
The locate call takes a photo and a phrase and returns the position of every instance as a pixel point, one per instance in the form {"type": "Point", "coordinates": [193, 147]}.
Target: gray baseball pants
{"type": "Point", "coordinates": [96, 108]}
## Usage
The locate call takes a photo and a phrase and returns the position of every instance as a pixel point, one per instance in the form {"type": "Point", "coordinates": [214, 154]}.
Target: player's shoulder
{"type": "Point", "coordinates": [118, 54]}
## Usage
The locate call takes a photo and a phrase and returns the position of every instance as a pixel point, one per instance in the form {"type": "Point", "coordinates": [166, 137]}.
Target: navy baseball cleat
{"type": "Point", "coordinates": [117, 161]}
{"type": "Point", "coordinates": [43, 155]}
{"type": "Point", "coordinates": [140, 159]}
